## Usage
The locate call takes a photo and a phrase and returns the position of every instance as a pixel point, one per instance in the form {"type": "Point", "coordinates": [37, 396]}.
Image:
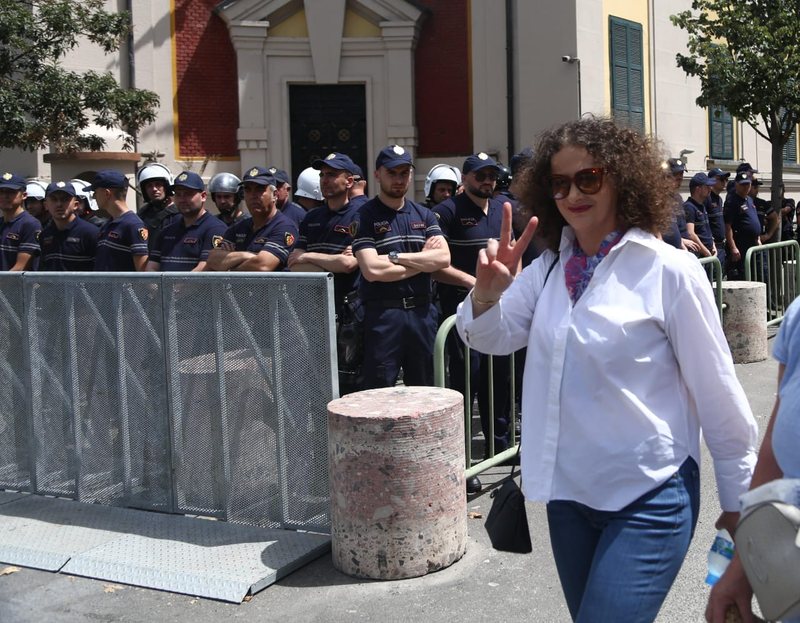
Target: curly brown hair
{"type": "Point", "coordinates": [635, 163]}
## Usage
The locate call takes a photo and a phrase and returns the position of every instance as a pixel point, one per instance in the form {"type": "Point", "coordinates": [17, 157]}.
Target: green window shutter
{"type": "Point", "coordinates": [790, 148]}
{"type": "Point", "coordinates": [627, 72]}
{"type": "Point", "coordinates": [720, 124]}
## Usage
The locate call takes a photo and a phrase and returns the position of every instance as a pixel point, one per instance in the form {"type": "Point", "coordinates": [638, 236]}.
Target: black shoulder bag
{"type": "Point", "coordinates": [507, 522]}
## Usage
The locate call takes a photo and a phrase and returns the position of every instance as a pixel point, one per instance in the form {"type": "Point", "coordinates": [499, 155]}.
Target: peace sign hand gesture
{"type": "Point", "coordinates": [499, 262]}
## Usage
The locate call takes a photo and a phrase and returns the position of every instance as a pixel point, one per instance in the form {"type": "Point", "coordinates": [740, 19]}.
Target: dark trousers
{"type": "Point", "coordinates": [398, 338]}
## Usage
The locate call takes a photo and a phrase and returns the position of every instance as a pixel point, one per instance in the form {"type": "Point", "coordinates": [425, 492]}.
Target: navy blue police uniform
{"type": "Point", "coordinates": [399, 319]}
{"type": "Point", "coordinates": [677, 230]}
{"type": "Point", "coordinates": [468, 230]}
{"type": "Point", "coordinates": [21, 234]}
{"type": "Point", "coordinates": [740, 213]}
{"type": "Point", "coordinates": [716, 222]}
{"type": "Point", "coordinates": [70, 249]}
{"type": "Point", "coordinates": [326, 231]}
{"type": "Point", "coordinates": [695, 213]}
{"type": "Point", "coordinates": [278, 236]}
{"type": "Point", "coordinates": [183, 248]}
{"type": "Point", "coordinates": [118, 241]}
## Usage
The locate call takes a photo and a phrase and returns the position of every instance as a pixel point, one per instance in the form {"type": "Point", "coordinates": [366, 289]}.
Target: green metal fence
{"type": "Point", "coordinates": [440, 380]}
{"type": "Point", "coordinates": [775, 264]}
{"type": "Point", "coordinates": [714, 272]}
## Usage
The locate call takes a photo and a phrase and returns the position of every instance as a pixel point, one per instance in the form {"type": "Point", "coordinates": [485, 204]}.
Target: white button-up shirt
{"type": "Point", "coordinates": [618, 386]}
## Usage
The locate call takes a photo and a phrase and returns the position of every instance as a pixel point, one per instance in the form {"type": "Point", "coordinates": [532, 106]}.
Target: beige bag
{"type": "Point", "coordinates": [768, 542]}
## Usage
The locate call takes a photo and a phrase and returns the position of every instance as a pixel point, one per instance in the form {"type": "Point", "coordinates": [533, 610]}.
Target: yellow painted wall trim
{"type": "Point", "coordinates": [356, 27]}
{"type": "Point", "coordinates": [293, 26]}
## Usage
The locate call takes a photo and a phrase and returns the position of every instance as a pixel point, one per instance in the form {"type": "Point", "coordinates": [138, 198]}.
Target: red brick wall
{"type": "Point", "coordinates": [208, 109]}
{"type": "Point", "coordinates": [442, 80]}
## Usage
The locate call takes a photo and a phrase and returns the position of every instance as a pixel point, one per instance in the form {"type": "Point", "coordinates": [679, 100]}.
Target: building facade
{"type": "Point", "coordinates": [283, 82]}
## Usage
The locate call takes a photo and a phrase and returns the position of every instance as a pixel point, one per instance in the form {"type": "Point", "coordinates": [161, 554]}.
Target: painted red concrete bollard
{"type": "Point", "coordinates": [398, 493]}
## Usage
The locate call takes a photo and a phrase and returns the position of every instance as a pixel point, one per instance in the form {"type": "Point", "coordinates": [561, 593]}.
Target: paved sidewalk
{"type": "Point", "coordinates": [484, 586]}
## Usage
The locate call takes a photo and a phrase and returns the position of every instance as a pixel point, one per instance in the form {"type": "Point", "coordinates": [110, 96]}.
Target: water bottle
{"type": "Point", "coordinates": [719, 556]}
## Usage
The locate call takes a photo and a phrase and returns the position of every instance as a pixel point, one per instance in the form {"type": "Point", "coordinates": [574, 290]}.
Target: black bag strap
{"type": "Point", "coordinates": [546, 277]}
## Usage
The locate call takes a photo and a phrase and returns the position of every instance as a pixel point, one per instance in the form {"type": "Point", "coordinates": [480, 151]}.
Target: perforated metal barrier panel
{"type": "Point", "coordinates": [196, 394]}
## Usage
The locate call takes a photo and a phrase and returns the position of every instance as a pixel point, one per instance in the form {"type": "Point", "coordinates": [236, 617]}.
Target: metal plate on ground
{"type": "Point", "coordinates": [200, 557]}
{"type": "Point", "coordinates": [44, 533]}
{"type": "Point", "coordinates": [212, 559]}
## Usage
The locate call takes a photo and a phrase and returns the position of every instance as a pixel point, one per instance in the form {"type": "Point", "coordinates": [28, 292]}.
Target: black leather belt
{"type": "Point", "coordinates": [409, 302]}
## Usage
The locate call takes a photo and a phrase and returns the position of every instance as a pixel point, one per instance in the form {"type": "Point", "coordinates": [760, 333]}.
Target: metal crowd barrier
{"type": "Point", "coordinates": [440, 380]}
{"type": "Point", "coordinates": [776, 265]}
{"type": "Point", "coordinates": [200, 394]}
{"type": "Point", "coordinates": [714, 271]}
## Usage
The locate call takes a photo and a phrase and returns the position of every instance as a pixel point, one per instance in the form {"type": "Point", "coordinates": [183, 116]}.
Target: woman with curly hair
{"type": "Point", "coordinates": [626, 364]}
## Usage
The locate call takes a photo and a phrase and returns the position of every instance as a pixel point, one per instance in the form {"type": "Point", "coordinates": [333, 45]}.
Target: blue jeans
{"type": "Point", "coordinates": [619, 565]}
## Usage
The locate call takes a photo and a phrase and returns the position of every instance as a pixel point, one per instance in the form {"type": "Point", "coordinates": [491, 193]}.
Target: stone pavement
{"type": "Point", "coordinates": [484, 586]}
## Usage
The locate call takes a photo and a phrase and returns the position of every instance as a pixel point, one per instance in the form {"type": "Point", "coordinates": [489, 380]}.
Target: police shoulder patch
{"type": "Point", "coordinates": [143, 233]}
{"type": "Point", "coordinates": [289, 238]}
{"type": "Point", "coordinates": [216, 241]}
{"type": "Point", "coordinates": [354, 228]}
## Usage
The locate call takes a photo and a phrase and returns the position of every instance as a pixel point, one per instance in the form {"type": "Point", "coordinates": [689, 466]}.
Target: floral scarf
{"type": "Point", "coordinates": [579, 268]}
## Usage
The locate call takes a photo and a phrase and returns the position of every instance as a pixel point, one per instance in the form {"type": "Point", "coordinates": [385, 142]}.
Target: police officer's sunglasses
{"type": "Point", "coordinates": [588, 181]}
{"type": "Point", "coordinates": [482, 176]}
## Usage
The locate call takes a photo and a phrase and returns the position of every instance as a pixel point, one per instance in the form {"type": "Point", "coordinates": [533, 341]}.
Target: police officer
{"type": "Point", "coordinates": [308, 193]}
{"type": "Point", "coordinates": [441, 183]}
{"type": "Point", "coordinates": [19, 231]}
{"type": "Point", "coordinates": [697, 225]}
{"type": "Point", "coordinates": [468, 221]}
{"type": "Point", "coordinates": [358, 192]}
{"type": "Point", "coordinates": [226, 193]}
{"type": "Point", "coordinates": [88, 209]}
{"type": "Point", "coordinates": [742, 226]}
{"type": "Point", "coordinates": [714, 210]}
{"type": "Point", "coordinates": [398, 244]}
{"type": "Point", "coordinates": [677, 234]}
{"type": "Point", "coordinates": [34, 201]}
{"type": "Point", "coordinates": [770, 220]}
{"type": "Point", "coordinates": [282, 191]}
{"type": "Point", "coordinates": [261, 242]}
{"type": "Point", "coordinates": [122, 241]}
{"type": "Point", "coordinates": [155, 183]}
{"type": "Point", "coordinates": [326, 233]}
{"type": "Point", "coordinates": [69, 243]}
{"type": "Point", "coordinates": [185, 243]}
{"type": "Point", "coordinates": [325, 244]}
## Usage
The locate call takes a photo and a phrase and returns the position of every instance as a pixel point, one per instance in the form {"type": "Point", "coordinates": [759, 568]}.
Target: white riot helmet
{"type": "Point", "coordinates": [308, 184]}
{"type": "Point", "coordinates": [442, 173]}
{"type": "Point", "coordinates": [35, 190]}
{"type": "Point", "coordinates": [85, 195]}
{"type": "Point", "coordinates": [154, 171]}
{"type": "Point", "coordinates": [224, 183]}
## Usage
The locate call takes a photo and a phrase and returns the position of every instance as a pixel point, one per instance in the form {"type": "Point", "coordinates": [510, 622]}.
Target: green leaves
{"type": "Point", "coordinates": [43, 103]}
{"type": "Point", "coordinates": [746, 54]}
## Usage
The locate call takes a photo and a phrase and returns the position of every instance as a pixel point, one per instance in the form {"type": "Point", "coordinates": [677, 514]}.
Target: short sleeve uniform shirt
{"type": "Point", "coordinates": [405, 231]}
{"type": "Point", "coordinates": [70, 249]}
{"type": "Point", "coordinates": [19, 235]}
{"type": "Point", "coordinates": [277, 237]}
{"type": "Point", "coordinates": [183, 248]}
{"type": "Point", "coordinates": [119, 241]}
{"type": "Point", "coordinates": [329, 232]}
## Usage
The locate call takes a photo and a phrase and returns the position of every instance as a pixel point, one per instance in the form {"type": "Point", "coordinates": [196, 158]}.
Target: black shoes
{"type": "Point", "coordinates": [474, 485]}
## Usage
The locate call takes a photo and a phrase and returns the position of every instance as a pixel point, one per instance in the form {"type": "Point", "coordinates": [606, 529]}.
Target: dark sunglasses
{"type": "Point", "coordinates": [588, 181]}
{"type": "Point", "coordinates": [481, 176]}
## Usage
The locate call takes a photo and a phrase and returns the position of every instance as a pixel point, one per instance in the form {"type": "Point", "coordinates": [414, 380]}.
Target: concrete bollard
{"type": "Point", "coordinates": [744, 319]}
{"type": "Point", "coordinates": [398, 493]}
